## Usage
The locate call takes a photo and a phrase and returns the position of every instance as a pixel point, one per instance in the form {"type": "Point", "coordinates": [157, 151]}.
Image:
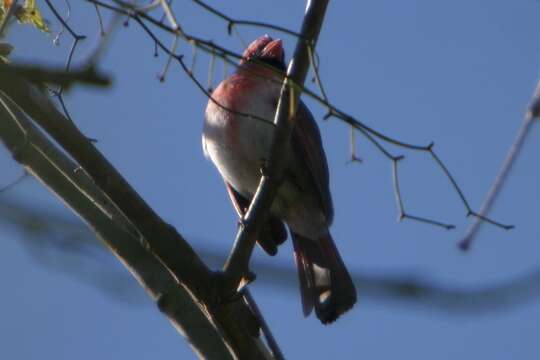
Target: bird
{"type": "Point", "coordinates": [237, 136]}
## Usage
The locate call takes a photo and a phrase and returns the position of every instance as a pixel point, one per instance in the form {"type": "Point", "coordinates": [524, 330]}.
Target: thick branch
{"type": "Point", "coordinates": [62, 176]}
{"type": "Point", "coordinates": [235, 319]}
{"type": "Point", "coordinates": [61, 77]}
{"type": "Point", "coordinates": [398, 286]}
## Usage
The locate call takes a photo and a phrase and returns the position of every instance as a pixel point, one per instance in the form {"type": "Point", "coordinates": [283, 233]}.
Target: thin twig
{"type": "Point", "coordinates": [193, 58]}
{"type": "Point", "coordinates": [211, 71]}
{"type": "Point", "coordinates": [531, 117]}
{"type": "Point", "coordinates": [100, 21]}
{"type": "Point", "coordinates": [402, 214]}
{"type": "Point", "coordinates": [210, 47]}
{"type": "Point", "coordinates": [352, 146]}
{"type": "Point", "coordinates": [174, 46]}
{"type": "Point", "coordinates": [59, 92]}
{"type": "Point", "coordinates": [56, 40]}
{"type": "Point", "coordinates": [63, 22]}
{"type": "Point", "coordinates": [231, 22]}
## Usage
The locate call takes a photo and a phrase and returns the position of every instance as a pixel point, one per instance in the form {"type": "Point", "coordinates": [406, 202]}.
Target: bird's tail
{"type": "Point", "coordinates": [325, 283]}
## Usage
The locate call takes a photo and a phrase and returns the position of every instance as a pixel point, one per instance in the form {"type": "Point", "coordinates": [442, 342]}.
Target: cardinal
{"type": "Point", "coordinates": [237, 136]}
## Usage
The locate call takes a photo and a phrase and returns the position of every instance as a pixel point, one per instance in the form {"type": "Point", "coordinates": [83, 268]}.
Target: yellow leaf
{"type": "Point", "coordinates": [30, 14]}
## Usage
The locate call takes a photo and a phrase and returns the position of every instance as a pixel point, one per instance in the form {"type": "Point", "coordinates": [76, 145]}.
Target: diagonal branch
{"type": "Point", "coordinates": [237, 264]}
{"type": "Point", "coordinates": [234, 318]}
{"type": "Point", "coordinates": [60, 174]}
{"type": "Point", "coordinates": [532, 116]}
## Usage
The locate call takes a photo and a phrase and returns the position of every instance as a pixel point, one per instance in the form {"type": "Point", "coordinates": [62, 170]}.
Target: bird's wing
{"type": "Point", "coordinates": [307, 143]}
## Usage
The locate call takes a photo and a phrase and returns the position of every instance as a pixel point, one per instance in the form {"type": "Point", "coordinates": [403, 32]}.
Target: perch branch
{"type": "Point", "coordinates": [237, 264]}
{"type": "Point", "coordinates": [234, 318]}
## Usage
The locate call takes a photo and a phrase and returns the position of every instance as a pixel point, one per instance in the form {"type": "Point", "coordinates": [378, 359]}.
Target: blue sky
{"type": "Point", "coordinates": [457, 73]}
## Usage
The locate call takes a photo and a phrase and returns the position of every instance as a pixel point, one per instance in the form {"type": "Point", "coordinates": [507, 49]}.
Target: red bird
{"type": "Point", "coordinates": [237, 143]}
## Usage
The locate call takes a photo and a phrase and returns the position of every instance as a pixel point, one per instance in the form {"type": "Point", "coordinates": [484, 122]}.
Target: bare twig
{"type": "Point", "coordinates": [211, 48]}
{"type": "Point", "coordinates": [402, 214]}
{"type": "Point", "coordinates": [76, 39]}
{"type": "Point", "coordinates": [352, 146]}
{"type": "Point", "coordinates": [531, 117]}
{"type": "Point", "coordinates": [231, 22]}
{"type": "Point", "coordinates": [63, 22]}
{"type": "Point", "coordinates": [100, 21]}
{"type": "Point", "coordinates": [211, 70]}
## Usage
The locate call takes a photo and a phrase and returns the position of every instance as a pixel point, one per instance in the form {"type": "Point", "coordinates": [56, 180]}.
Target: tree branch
{"type": "Point", "coordinates": [62, 176]}
{"type": "Point", "coordinates": [237, 264]}
{"type": "Point", "coordinates": [234, 318]}
{"type": "Point", "coordinates": [532, 116]}
{"type": "Point", "coordinates": [398, 286]}
{"type": "Point", "coordinates": [42, 74]}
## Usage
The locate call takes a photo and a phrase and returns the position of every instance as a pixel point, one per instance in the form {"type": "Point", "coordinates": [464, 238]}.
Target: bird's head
{"type": "Point", "coordinates": [265, 50]}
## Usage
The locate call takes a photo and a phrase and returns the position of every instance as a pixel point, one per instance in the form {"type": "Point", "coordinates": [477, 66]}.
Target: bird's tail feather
{"type": "Point", "coordinates": [325, 283]}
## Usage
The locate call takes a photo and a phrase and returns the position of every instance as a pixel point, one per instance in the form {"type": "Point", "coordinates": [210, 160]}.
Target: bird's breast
{"type": "Point", "coordinates": [238, 132]}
